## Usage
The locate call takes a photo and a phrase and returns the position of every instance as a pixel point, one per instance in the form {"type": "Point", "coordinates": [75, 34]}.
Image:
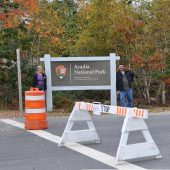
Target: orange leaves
{"type": "Point", "coordinates": [11, 17]}
{"type": "Point", "coordinates": [129, 28]}
{"type": "Point", "coordinates": [2, 17]}
{"type": "Point", "coordinates": [60, 30]}
{"type": "Point", "coordinates": [37, 28]}
{"type": "Point", "coordinates": [31, 6]}
{"type": "Point", "coordinates": [138, 60]}
{"type": "Point", "coordinates": [154, 62]}
{"type": "Point", "coordinates": [9, 21]}
{"type": "Point", "coordinates": [46, 26]}
{"type": "Point", "coordinates": [55, 40]}
{"type": "Point", "coordinates": [139, 23]}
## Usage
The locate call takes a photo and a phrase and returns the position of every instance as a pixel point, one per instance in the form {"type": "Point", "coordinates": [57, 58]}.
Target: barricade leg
{"type": "Point", "coordinates": [139, 150]}
{"type": "Point", "coordinates": [82, 136]}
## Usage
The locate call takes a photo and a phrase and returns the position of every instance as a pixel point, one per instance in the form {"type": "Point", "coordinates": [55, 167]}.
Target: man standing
{"type": "Point", "coordinates": [124, 80]}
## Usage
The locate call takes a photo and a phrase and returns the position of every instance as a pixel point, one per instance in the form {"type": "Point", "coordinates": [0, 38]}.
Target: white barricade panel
{"type": "Point", "coordinates": [117, 110]}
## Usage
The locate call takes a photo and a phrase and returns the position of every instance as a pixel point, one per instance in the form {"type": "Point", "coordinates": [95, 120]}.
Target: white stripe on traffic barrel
{"type": "Point", "coordinates": [35, 110]}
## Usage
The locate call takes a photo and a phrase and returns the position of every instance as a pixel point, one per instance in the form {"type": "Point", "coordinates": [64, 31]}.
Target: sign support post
{"type": "Point", "coordinates": [113, 95]}
{"type": "Point", "coordinates": [19, 81]}
{"type": "Point", "coordinates": [49, 97]}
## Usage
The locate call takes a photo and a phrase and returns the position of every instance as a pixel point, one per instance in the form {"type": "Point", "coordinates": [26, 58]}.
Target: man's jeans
{"type": "Point", "coordinates": [126, 95]}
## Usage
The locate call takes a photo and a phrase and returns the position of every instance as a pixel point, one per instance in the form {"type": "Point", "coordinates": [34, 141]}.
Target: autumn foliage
{"type": "Point", "coordinates": [12, 14]}
{"type": "Point", "coordinates": [138, 33]}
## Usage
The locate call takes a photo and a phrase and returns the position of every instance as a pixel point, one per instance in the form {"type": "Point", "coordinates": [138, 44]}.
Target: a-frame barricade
{"type": "Point", "coordinates": [137, 151]}
{"type": "Point", "coordinates": [134, 121]}
{"type": "Point", "coordinates": [82, 136]}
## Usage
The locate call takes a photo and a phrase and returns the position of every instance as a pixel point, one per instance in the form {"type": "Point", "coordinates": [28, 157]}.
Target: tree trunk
{"type": "Point", "coordinates": [163, 92]}
{"type": "Point", "coordinates": [148, 95]}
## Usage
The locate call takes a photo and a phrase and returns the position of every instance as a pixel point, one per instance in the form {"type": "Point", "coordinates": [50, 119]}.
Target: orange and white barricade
{"type": "Point", "coordinates": [134, 120]}
{"type": "Point", "coordinates": [35, 110]}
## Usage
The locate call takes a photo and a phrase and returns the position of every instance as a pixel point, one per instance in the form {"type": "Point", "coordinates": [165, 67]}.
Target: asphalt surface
{"type": "Point", "coordinates": [21, 150]}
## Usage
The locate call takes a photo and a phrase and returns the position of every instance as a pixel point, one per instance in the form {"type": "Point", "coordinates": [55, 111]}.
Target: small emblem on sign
{"type": "Point", "coordinates": [61, 71]}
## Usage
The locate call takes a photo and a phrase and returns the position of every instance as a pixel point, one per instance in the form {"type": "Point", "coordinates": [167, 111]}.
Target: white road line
{"type": "Point", "coordinates": [87, 151]}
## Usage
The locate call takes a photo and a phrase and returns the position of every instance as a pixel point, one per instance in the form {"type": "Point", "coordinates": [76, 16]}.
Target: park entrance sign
{"type": "Point", "coordinates": [80, 73]}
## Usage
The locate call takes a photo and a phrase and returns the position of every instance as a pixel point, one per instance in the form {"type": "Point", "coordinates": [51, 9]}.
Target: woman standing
{"type": "Point", "coordinates": [40, 79]}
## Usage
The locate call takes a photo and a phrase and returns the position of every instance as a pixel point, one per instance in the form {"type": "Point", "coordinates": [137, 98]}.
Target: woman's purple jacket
{"type": "Point", "coordinates": [35, 81]}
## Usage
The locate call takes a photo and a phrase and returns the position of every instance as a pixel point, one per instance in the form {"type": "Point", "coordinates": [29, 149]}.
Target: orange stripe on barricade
{"type": "Point", "coordinates": [91, 107]}
{"type": "Point", "coordinates": [36, 125]}
{"type": "Point", "coordinates": [34, 93]}
{"type": "Point", "coordinates": [138, 112]}
{"type": "Point", "coordinates": [125, 111]}
{"type": "Point", "coordinates": [77, 105]}
{"type": "Point", "coordinates": [121, 111]}
{"type": "Point", "coordinates": [35, 116]}
{"type": "Point", "coordinates": [34, 104]}
{"type": "Point", "coordinates": [142, 113]}
{"type": "Point", "coordinates": [118, 110]}
{"type": "Point", "coordinates": [88, 106]}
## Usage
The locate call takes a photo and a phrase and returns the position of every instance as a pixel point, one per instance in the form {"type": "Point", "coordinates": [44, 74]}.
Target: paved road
{"type": "Point", "coordinates": [22, 150]}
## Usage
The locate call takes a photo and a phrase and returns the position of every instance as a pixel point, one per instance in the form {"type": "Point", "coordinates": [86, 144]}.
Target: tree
{"type": "Point", "coordinates": [137, 33]}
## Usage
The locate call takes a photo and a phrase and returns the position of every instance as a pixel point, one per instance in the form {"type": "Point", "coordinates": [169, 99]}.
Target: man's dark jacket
{"type": "Point", "coordinates": [119, 79]}
{"type": "Point", "coordinates": [35, 81]}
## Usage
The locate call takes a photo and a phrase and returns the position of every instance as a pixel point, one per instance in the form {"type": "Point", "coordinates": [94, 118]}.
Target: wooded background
{"type": "Point", "coordinates": [136, 30]}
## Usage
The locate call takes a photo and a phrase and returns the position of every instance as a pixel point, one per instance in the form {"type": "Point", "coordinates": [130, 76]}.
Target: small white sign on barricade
{"type": "Point", "coordinates": [134, 120]}
{"type": "Point", "coordinates": [96, 108]}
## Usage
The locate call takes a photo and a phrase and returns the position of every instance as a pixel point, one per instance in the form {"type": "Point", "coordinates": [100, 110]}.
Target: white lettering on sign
{"type": "Point", "coordinates": [85, 66]}
{"type": "Point", "coordinates": [80, 72]}
{"type": "Point", "coordinates": [86, 69]}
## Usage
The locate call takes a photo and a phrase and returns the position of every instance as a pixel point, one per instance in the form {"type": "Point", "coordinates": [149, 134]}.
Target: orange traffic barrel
{"type": "Point", "coordinates": [35, 110]}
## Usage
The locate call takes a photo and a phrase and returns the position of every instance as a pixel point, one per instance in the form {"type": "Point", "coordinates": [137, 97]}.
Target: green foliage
{"type": "Point", "coordinates": [67, 99]}
{"type": "Point", "coordinates": [9, 85]}
{"type": "Point", "coordinates": [70, 21]}
{"type": "Point", "coordinates": [8, 43]}
{"type": "Point", "coordinates": [135, 32]}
